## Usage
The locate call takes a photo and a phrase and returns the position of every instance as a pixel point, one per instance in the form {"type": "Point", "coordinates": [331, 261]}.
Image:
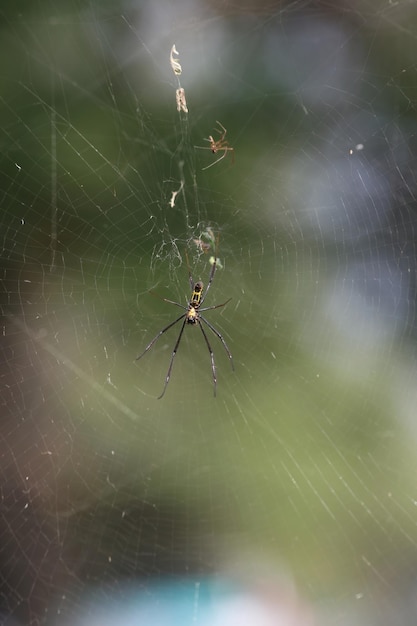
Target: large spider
{"type": "Point", "coordinates": [221, 145]}
{"type": "Point", "coordinates": [193, 316]}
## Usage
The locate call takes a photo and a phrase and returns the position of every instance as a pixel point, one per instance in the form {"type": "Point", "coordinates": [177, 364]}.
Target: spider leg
{"type": "Point", "coordinates": [174, 352]}
{"type": "Point", "coordinates": [176, 303]}
{"type": "Point", "coordinates": [161, 332]}
{"type": "Point", "coordinates": [210, 280]}
{"type": "Point", "coordinates": [215, 306]}
{"type": "Point", "coordinates": [216, 332]}
{"type": "Point", "coordinates": [213, 366]}
{"type": "Point", "coordinates": [225, 151]}
{"type": "Point", "coordinates": [223, 129]}
{"type": "Point", "coordinates": [169, 301]}
{"type": "Point", "coordinates": [190, 278]}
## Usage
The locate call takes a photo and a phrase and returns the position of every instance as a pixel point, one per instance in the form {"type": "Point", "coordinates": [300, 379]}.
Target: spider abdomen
{"type": "Point", "coordinates": [192, 315]}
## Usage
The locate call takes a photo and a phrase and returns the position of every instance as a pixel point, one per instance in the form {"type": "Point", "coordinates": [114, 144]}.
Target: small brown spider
{"type": "Point", "coordinates": [221, 145]}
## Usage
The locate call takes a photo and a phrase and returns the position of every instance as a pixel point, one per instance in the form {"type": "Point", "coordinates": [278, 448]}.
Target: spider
{"type": "Point", "coordinates": [221, 145]}
{"type": "Point", "coordinates": [193, 316]}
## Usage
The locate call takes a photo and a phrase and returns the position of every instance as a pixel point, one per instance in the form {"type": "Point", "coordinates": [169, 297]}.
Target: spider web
{"type": "Point", "coordinates": [289, 498]}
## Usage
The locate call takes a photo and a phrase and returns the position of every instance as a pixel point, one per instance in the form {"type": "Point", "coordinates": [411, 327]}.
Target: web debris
{"type": "Point", "coordinates": [181, 101]}
{"type": "Point", "coordinates": [177, 69]}
{"type": "Point", "coordinates": [207, 242]}
{"type": "Point", "coordinates": [181, 106]}
{"type": "Point", "coordinates": [174, 194]}
{"type": "Point", "coordinates": [175, 63]}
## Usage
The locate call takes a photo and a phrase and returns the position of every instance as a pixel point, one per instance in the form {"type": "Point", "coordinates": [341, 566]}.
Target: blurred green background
{"type": "Point", "coordinates": [305, 461]}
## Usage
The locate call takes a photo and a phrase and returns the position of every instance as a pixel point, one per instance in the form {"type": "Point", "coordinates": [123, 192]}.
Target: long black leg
{"type": "Point", "coordinates": [190, 278]}
{"type": "Point", "coordinates": [213, 366]}
{"type": "Point", "coordinates": [215, 306]}
{"type": "Point", "coordinates": [216, 332]}
{"type": "Point", "coordinates": [161, 332]}
{"type": "Point", "coordinates": [213, 269]}
{"type": "Point", "coordinates": [176, 303]}
{"type": "Point", "coordinates": [166, 300]}
{"type": "Point", "coordinates": [174, 352]}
